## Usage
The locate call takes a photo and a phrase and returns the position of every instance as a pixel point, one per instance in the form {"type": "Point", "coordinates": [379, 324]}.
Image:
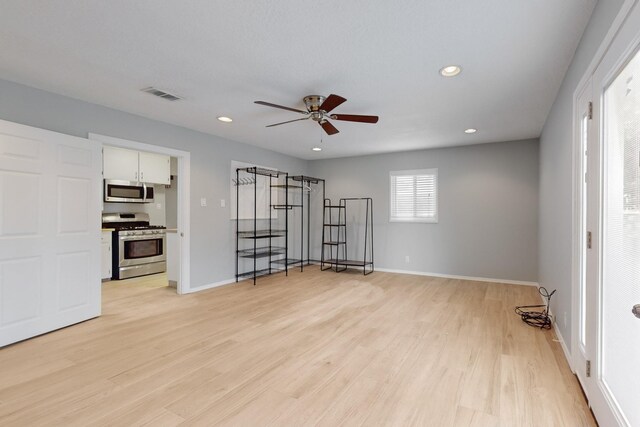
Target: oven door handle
{"type": "Point", "coordinates": [143, 237]}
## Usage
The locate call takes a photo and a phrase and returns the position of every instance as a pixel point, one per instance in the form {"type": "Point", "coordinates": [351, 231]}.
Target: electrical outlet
{"type": "Point", "coordinates": [158, 205]}
{"type": "Point", "coordinates": [223, 203]}
{"type": "Point", "coordinates": [203, 201]}
{"type": "Point", "coordinates": [407, 259]}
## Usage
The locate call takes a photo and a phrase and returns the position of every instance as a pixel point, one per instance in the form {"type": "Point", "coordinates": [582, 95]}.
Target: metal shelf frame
{"type": "Point", "coordinates": [262, 240]}
{"type": "Point", "coordinates": [334, 236]}
{"type": "Point", "coordinates": [301, 183]}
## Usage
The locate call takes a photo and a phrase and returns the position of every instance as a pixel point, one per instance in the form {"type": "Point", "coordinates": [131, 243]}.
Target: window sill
{"type": "Point", "coordinates": [415, 220]}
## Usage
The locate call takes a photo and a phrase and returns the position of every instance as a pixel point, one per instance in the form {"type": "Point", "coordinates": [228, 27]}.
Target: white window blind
{"type": "Point", "coordinates": [414, 195]}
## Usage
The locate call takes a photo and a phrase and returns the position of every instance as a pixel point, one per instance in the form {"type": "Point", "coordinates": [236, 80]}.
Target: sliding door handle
{"type": "Point", "coordinates": [636, 310]}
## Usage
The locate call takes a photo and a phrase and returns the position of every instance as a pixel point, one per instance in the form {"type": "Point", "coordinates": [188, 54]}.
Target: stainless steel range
{"type": "Point", "coordinates": [138, 248]}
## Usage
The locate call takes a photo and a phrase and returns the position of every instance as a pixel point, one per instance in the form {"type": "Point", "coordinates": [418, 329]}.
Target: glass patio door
{"type": "Point", "coordinates": [620, 289]}
{"type": "Point", "coordinates": [614, 393]}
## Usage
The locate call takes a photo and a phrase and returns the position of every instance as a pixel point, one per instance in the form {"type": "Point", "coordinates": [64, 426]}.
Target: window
{"type": "Point", "coordinates": [414, 195]}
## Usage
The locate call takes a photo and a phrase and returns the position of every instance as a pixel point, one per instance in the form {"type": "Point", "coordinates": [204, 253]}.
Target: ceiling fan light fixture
{"type": "Point", "coordinates": [470, 130]}
{"type": "Point", "coordinates": [318, 108]}
{"type": "Point", "coordinates": [225, 119]}
{"type": "Point", "coordinates": [316, 149]}
{"type": "Point", "coordinates": [450, 71]}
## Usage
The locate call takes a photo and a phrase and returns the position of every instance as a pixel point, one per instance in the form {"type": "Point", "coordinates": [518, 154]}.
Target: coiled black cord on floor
{"type": "Point", "coordinates": [540, 319]}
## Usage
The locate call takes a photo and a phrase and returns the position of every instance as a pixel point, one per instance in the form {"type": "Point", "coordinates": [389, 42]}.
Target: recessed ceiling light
{"type": "Point", "coordinates": [470, 130]}
{"type": "Point", "coordinates": [317, 149]}
{"type": "Point", "coordinates": [225, 119]}
{"type": "Point", "coordinates": [450, 70]}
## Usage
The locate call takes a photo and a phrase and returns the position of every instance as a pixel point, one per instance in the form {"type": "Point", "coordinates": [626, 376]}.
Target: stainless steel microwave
{"type": "Point", "coordinates": [127, 191]}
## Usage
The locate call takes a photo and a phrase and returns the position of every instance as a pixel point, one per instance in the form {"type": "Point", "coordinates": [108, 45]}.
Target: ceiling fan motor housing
{"type": "Point", "coordinates": [313, 102]}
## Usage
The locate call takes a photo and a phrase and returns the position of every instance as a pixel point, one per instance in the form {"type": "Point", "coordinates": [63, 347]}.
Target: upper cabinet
{"type": "Point", "coordinates": [131, 165]}
{"type": "Point", "coordinates": [120, 163]}
{"type": "Point", "coordinates": [155, 168]}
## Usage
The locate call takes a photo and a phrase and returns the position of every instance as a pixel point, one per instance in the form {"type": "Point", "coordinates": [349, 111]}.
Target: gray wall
{"type": "Point", "coordinates": [488, 209]}
{"type": "Point", "coordinates": [555, 171]}
{"type": "Point", "coordinates": [212, 238]}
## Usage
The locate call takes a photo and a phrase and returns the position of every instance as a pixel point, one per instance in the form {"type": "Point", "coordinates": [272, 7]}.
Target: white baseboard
{"type": "Point", "coordinates": [567, 354]}
{"type": "Point", "coordinates": [451, 276]}
{"type": "Point", "coordinates": [389, 270]}
{"type": "Point", "coordinates": [565, 349]}
{"type": "Point", "coordinates": [210, 286]}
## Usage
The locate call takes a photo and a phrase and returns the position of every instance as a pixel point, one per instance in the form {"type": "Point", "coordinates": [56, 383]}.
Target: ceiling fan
{"type": "Point", "coordinates": [318, 108]}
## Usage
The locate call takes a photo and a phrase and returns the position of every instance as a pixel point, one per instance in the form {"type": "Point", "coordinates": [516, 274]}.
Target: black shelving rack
{"type": "Point", "coordinates": [260, 240]}
{"type": "Point", "coordinates": [334, 236]}
{"type": "Point", "coordinates": [302, 185]}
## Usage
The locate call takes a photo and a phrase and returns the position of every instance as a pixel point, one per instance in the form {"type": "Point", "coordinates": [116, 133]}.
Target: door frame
{"type": "Point", "coordinates": [184, 197]}
{"type": "Point", "coordinates": [576, 240]}
{"type": "Point", "coordinates": [580, 167]}
{"type": "Point", "coordinates": [613, 55]}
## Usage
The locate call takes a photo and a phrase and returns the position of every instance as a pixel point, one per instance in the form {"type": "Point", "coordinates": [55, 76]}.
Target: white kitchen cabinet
{"type": "Point", "coordinates": [173, 257]}
{"type": "Point", "coordinates": [155, 168]}
{"type": "Point", "coordinates": [106, 255]}
{"type": "Point", "coordinates": [120, 163]}
{"type": "Point", "coordinates": [137, 166]}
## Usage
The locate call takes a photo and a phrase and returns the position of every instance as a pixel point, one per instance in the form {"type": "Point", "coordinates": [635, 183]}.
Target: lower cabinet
{"type": "Point", "coordinates": [106, 255]}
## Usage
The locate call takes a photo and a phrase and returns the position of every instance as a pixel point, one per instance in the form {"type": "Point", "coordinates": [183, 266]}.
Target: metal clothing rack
{"type": "Point", "coordinates": [258, 243]}
{"type": "Point", "coordinates": [301, 184]}
{"type": "Point", "coordinates": [334, 236]}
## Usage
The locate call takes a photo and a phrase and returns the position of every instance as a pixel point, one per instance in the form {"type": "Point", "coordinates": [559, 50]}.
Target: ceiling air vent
{"type": "Point", "coordinates": [160, 93]}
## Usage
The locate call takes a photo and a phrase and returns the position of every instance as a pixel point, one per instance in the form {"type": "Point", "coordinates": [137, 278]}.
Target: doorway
{"type": "Point", "coordinates": [178, 260]}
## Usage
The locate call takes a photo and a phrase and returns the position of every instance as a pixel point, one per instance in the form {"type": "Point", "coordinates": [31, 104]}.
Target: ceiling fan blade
{"type": "Point", "coordinates": [355, 118]}
{"type": "Point", "coordinates": [332, 102]}
{"type": "Point", "coordinates": [282, 107]}
{"type": "Point", "coordinates": [328, 127]}
{"type": "Point", "coordinates": [290, 121]}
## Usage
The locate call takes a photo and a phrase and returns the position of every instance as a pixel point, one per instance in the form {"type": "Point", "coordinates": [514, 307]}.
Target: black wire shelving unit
{"type": "Point", "coordinates": [334, 236]}
{"type": "Point", "coordinates": [299, 188]}
{"type": "Point", "coordinates": [263, 242]}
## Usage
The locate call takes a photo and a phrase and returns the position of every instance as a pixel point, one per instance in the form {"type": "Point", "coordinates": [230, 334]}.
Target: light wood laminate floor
{"type": "Point", "coordinates": [314, 348]}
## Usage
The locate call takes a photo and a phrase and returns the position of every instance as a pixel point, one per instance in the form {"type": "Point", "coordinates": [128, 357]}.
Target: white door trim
{"type": "Point", "coordinates": [577, 360]}
{"type": "Point", "coordinates": [576, 174]}
{"type": "Point", "coordinates": [184, 195]}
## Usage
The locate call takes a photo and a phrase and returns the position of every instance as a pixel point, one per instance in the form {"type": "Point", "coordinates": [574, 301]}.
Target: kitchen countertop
{"type": "Point", "coordinates": [108, 229]}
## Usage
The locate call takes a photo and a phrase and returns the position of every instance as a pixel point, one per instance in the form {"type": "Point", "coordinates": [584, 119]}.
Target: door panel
{"type": "Point", "coordinates": [73, 275]}
{"type": "Point", "coordinates": [620, 348]}
{"type": "Point", "coordinates": [49, 231]}
{"type": "Point", "coordinates": [20, 291]}
{"type": "Point", "coordinates": [74, 197]}
{"type": "Point", "coordinates": [20, 198]}
{"type": "Point", "coordinates": [614, 284]}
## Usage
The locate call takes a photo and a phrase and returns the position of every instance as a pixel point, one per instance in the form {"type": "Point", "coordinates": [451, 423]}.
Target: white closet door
{"type": "Point", "coordinates": [49, 231]}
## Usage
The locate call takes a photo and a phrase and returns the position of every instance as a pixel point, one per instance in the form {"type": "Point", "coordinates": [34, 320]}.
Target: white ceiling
{"type": "Point", "coordinates": [383, 56]}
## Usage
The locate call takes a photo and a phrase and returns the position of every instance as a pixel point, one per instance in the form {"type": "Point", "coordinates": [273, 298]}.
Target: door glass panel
{"type": "Point", "coordinates": [620, 340]}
